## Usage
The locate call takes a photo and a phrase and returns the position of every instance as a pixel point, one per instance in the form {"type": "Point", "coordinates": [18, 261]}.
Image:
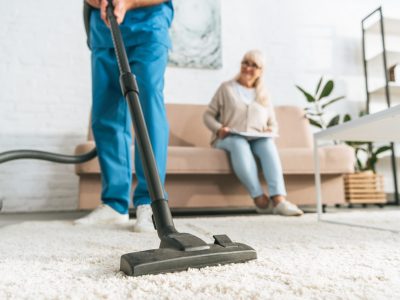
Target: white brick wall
{"type": "Point", "coordinates": [44, 70]}
{"type": "Point", "coordinates": [45, 76]}
{"type": "Point", "coordinates": [28, 185]}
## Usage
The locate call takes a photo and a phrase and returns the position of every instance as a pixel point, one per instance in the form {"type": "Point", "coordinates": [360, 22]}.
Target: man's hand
{"type": "Point", "coordinates": [122, 6]}
{"type": "Point", "coordinates": [94, 3]}
{"type": "Point", "coordinates": [223, 132]}
{"type": "Point", "coordinates": [120, 9]}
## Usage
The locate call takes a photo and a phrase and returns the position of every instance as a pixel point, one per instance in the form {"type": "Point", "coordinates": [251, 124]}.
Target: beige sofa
{"type": "Point", "coordinates": [199, 176]}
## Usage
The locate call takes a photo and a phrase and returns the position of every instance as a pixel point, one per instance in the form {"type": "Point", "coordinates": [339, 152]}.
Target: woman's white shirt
{"type": "Point", "coordinates": [247, 95]}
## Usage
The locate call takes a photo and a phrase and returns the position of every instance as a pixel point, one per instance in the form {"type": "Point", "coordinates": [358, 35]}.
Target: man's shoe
{"type": "Point", "coordinates": [144, 221]}
{"type": "Point", "coordinates": [103, 214]}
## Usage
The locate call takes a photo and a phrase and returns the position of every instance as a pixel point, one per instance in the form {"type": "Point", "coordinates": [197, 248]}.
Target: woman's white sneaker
{"type": "Point", "coordinates": [266, 211]}
{"type": "Point", "coordinates": [285, 208]}
{"type": "Point", "coordinates": [144, 221]}
{"type": "Point", "coordinates": [103, 214]}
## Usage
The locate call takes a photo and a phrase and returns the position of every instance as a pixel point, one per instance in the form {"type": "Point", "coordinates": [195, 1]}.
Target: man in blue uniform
{"type": "Point", "coordinates": [144, 26]}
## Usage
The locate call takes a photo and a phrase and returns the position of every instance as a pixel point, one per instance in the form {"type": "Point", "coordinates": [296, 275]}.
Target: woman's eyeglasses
{"type": "Point", "coordinates": [250, 64]}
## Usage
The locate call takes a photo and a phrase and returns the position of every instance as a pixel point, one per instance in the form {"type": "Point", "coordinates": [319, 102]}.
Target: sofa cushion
{"type": "Point", "coordinates": [294, 129]}
{"type": "Point", "coordinates": [181, 160]}
{"type": "Point", "coordinates": [332, 160]}
{"type": "Point", "coordinates": [201, 160]}
{"type": "Point", "coordinates": [187, 128]}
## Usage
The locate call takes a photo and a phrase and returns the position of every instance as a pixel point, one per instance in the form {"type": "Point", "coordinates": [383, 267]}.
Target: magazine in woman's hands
{"type": "Point", "coordinates": [254, 134]}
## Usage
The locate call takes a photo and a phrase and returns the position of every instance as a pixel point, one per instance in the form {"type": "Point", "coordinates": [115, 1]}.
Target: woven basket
{"type": "Point", "coordinates": [364, 187]}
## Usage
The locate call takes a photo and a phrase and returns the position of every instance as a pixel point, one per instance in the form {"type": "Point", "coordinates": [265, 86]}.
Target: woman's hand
{"type": "Point", "coordinates": [223, 132]}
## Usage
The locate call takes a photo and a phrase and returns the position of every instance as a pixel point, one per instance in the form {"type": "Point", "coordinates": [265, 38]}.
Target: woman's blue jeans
{"type": "Point", "coordinates": [243, 155]}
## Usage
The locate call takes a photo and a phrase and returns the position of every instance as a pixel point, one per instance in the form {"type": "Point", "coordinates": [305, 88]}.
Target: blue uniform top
{"type": "Point", "coordinates": [141, 25]}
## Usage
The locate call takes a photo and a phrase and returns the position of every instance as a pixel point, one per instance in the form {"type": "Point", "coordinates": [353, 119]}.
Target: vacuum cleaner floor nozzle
{"type": "Point", "coordinates": [165, 260]}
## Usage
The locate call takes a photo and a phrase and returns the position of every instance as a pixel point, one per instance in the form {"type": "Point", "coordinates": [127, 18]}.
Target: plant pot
{"type": "Point", "coordinates": [364, 187]}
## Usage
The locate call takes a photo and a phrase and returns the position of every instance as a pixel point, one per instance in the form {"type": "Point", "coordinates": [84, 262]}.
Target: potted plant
{"type": "Point", "coordinates": [317, 112]}
{"type": "Point", "coordinates": [365, 186]}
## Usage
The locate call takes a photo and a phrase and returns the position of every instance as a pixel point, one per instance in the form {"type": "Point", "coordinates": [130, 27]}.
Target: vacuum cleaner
{"type": "Point", "coordinates": [177, 251]}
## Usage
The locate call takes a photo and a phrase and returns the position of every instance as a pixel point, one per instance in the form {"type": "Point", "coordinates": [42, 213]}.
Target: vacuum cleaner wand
{"type": "Point", "coordinates": [178, 251]}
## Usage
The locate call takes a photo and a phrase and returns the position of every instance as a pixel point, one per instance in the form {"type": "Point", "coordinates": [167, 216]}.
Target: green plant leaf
{"type": "Point", "coordinates": [314, 114]}
{"type": "Point", "coordinates": [362, 113]}
{"type": "Point", "coordinates": [311, 110]}
{"type": "Point", "coordinates": [359, 164]}
{"type": "Point", "coordinates": [382, 149]}
{"type": "Point", "coordinates": [358, 144]}
{"type": "Point", "coordinates": [363, 150]}
{"type": "Point", "coordinates": [346, 118]}
{"type": "Point", "coordinates": [334, 121]}
{"type": "Point", "coordinates": [318, 86]}
{"type": "Point", "coordinates": [314, 123]}
{"type": "Point", "coordinates": [332, 101]}
{"type": "Point", "coordinates": [371, 162]}
{"type": "Point", "coordinates": [327, 90]}
{"type": "Point", "coordinates": [349, 143]}
{"type": "Point", "coordinates": [307, 95]}
{"type": "Point", "coordinates": [354, 144]}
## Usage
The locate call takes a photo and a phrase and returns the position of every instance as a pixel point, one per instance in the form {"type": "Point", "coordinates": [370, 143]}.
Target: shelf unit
{"type": "Point", "coordinates": [392, 26]}
{"type": "Point", "coordinates": [375, 59]}
{"type": "Point", "coordinates": [376, 27]}
{"type": "Point", "coordinates": [394, 89]}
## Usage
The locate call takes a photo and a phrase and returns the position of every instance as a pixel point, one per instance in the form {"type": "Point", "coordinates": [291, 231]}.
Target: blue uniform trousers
{"type": "Point", "coordinates": [111, 121]}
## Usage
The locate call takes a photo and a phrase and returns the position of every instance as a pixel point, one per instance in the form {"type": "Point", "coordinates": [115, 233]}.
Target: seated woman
{"type": "Point", "coordinates": [242, 105]}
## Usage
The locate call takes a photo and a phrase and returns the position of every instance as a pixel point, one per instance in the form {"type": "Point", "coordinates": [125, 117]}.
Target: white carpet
{"type": "Point", "coordinates": [298, 258]}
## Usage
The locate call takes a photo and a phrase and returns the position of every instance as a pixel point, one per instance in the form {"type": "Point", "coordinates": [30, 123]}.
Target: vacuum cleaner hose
{"type": "Point", "coordinates": [49, 156]}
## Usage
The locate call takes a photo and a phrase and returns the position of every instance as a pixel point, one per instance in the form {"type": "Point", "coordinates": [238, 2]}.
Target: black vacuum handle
{"type": "Point", "coordinates": [123, 62]}
{"type": "Point", "coordinates": [162, 214]}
